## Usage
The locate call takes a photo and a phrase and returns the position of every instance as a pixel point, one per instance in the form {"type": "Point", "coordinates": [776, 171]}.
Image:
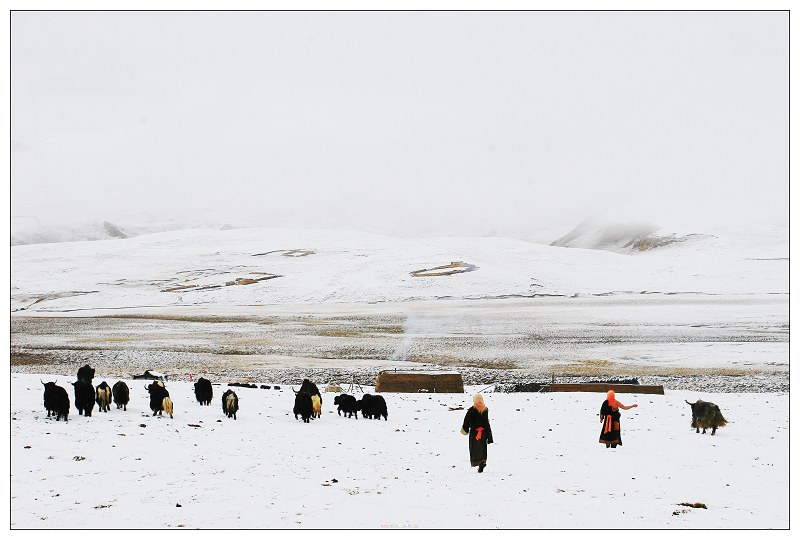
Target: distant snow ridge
{"type": "Point", "coordinates": [619, 237]}
{"type": "Point", "coordinates": [31, 230]}
{"type": "Point", "coordinates": [27, 230]}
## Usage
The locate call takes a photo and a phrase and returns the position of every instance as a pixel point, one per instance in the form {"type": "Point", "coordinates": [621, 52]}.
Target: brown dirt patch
{"type": "Point", "coordinates": [25, 359]}
{"type": "Point", "coordinates": [455, 267]}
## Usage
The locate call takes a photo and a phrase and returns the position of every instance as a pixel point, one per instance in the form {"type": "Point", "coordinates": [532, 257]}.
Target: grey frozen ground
{"type": "Point", "coordinates": [711, 343]}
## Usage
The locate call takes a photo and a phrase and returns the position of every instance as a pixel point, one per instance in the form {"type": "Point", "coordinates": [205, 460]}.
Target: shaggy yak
{"type": "Point", "coordinates": [84, 397]}
{"type": "Point", "coordinates": [56, 400]}
{"type": "Point", "coordinates": [230, 403]}
{"type": "Point", "coordinates": [86, 374]}
{"type": "Point", "coordinates": [706, 415]}
{"type": "Point", "coordinates": [310, 388]}
{"type": "Point", "coordinates": [159, 398]}
{"type": "Point", "coordinates": [103, 397]}
{"type": "Point", "coordinates": [303, 406]}
{"type": "Point", "coordinates": [203, 391]}
{"type": "Point", "coordinates": [347, 404]}
{"type": "Point", "coordinates": [121, 395]}
{"type": "Point", "coordinates": [373, 407]}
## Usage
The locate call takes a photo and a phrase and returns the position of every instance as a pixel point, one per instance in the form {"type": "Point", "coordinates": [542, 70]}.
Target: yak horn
{"type": "Point", "coordinates": [293, 390]}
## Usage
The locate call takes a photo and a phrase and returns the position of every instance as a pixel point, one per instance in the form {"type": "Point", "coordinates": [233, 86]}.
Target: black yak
{"type": "Point", "coordinates": [230, 403]}
{"type": "Point", "coordinates": [56, 400]}
{"type": "Point", "coordinates": [103, 396]}
{"type": "Point", "coordinates": [372, 407]}
{"type": "Point", "coordinates": [84, 397]}
{"type": "Point", "coordinates": [303, 406]}
{"type": "Point", "coordinates": [310, 388]}
{"type": "Point", "coordinates": [159, 398]}
{"type": "Point", "coordinates": [706, 415]}
{"type": "Point", "coordinates": [86, 374]}
{"type": "Point", "coordinates": [121, 395]}
{"type": "Point", "coordinates": [347, 404]}
{"type": "Point", "coordinates": [203, 391]}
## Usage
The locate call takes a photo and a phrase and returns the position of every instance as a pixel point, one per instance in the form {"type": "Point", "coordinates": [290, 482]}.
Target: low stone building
{"type": "Point", "coordinates": [419, 381]}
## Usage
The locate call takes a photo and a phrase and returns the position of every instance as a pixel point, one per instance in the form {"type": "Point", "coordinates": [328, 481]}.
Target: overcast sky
{"type": "Point", "coordinates": [449, 123]}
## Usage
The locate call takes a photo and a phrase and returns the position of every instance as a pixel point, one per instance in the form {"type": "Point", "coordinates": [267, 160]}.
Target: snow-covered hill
{"type": "Point", "coordinates": [246, 267]}
{"type": "Point", "coordinates": [127, 469]}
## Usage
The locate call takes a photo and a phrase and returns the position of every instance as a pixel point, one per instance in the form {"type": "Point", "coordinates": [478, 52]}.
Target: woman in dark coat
{"type": "Point", "coordinates": [610, 435]}
{"type": "Point", "coordinates": [476, 425]}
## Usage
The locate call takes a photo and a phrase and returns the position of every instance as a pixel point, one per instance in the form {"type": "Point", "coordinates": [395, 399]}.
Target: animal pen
{"type": "Point", "coordinates": [420, 381]}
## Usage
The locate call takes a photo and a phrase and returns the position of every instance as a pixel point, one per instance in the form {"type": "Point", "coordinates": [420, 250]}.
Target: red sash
{"type": "Point", "coordinates": [480, 433]}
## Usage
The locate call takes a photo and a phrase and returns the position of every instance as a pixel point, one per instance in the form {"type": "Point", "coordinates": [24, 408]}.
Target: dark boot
{"type": "Point", "coordinates": [608, 446]}
{"type": "Point", "coordinates": [481, 467]}
{"type": "Point", "coordinates": [613, 446]}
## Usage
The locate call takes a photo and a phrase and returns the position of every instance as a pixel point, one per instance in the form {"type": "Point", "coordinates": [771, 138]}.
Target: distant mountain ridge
{"type": "Point", "coordinates": [620, 237]}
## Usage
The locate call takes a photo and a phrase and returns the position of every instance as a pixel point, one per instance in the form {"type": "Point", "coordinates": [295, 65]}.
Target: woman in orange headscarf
{"type": "Point", "coordinates": [609, 417]}
{"type": "Point", "coordinates": [476, 425]}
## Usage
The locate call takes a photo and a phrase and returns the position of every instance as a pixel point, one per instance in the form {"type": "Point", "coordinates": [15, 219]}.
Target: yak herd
{"type": "Point", "coordinates": [307, 402]}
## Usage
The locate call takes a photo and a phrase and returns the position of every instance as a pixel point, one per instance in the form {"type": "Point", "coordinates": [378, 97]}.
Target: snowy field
{"type": "Point", "coordinates": [205, 300]}
{"type": "Point", "coordinates": [267, 470]}
{"type": "Point", "coordinates": [236, 268]}
{"type": "Point", "coordinates": [733, 343]}
{"type": "Point", "coordinates": [271, 306]}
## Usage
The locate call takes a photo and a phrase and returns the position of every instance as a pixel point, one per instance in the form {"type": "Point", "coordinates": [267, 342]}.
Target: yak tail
{"type": "Point", "coordinates": [721, 422]}
{"type": "Point", "coordinates": [167, 405]}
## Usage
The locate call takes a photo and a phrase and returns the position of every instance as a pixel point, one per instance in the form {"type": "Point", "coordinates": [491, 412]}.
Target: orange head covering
{"type": "Point", "coordinates": [612, 401]}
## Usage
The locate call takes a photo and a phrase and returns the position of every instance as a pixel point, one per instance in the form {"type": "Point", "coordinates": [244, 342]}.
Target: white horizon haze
{"type": "Point", "coordinates": [406, 123]}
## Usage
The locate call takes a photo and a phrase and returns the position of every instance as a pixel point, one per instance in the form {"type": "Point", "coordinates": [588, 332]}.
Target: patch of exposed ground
{"type": "Point", "coordinates": [50, 296]}
{"type": "Point", "coordinates": [237, 281]}
{"type": "Point", "coordinates": [288, 252]}
{"type": "Point", "coordinates": [280, 348]}
{"type": "Point", "coordinates": [455, 267]}
{"type": "Point", "coordinates": [28, 359]}
{"type": "Point", "coordinates": [440, 360]}
{"type": "Point", "coordinates": [104, 339]}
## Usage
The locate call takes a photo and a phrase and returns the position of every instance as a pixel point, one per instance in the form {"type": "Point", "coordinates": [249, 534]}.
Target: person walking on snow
{"type": "Point", "coordinates": [476, 425]}
{"type": "Point", "coordinates": [610, 435]}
